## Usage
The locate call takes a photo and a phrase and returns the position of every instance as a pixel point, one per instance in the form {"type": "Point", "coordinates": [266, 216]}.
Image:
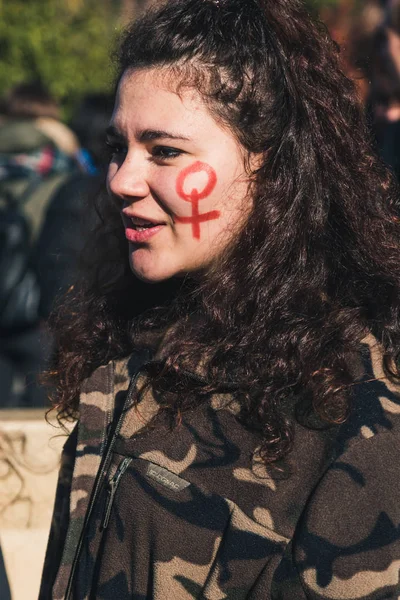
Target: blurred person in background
{"type": "Point", "coordinates": [36, 155]}
{"type": "Point", "coordinates": [89, 122]}
{"type": "Point", "coordinates": [31, 103]}
{"type": "Point", "coordinates": [338, 19]}
{"type": "Point", "coordinates": [384, 73]}
{"type": "Point", "coordinates": [369, 38]}
{"type": "Point", "coordinates": [365, 24]}
{"type": "Point", "coordinates": [71, 210]}
{"type": "Point", "coordinates": [375, 53]}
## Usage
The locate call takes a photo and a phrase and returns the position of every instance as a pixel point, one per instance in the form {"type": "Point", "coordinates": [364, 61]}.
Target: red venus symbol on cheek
{"type": "Point", "coordinates": [195, 196]}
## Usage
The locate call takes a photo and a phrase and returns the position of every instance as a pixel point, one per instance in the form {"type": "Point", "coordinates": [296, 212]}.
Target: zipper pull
{"type": "Point", "coordinates": [111, 491]}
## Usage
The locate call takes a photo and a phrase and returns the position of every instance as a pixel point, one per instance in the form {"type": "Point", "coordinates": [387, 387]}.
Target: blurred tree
{"type": "Point", "coordinates": [64, 44]}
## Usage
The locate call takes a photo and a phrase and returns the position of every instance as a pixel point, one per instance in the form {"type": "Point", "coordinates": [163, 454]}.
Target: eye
{"type": "Point", "coordinates": [114, 149]}
{"type": "Point", "coordinates": [163, 153]}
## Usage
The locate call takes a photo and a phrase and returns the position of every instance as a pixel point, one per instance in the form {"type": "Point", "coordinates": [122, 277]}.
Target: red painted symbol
{"type": "Point", "coordinates": [195, 196]}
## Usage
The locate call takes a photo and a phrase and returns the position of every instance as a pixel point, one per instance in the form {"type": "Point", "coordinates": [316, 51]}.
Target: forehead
{"type": "Point", "coordinates": [156, 95]}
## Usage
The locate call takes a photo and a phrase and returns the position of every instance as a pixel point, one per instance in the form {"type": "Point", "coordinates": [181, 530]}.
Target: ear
{"type": "Point", "coordinates": [253, 162]}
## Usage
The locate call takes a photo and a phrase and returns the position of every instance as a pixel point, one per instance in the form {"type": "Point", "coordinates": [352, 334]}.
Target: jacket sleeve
{"type": "Point", "coordinates": [59, 524]}
{"type": "Point", "coordinates": [347, 545]}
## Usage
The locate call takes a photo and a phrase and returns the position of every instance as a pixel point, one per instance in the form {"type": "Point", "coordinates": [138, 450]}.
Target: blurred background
{"type": "Point", "coordinates": [56, 85]}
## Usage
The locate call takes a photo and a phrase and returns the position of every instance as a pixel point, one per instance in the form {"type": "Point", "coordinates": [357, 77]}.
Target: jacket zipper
{"type": "Point", "coordinates": [102, 471]}
{"type": "Point", "coordinates": [112, 489]}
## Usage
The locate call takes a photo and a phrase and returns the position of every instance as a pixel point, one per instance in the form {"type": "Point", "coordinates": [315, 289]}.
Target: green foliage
{"type": "Point", "coordinates": [65, 44]}
{"type": "Point", "coordinates": [316, 5]}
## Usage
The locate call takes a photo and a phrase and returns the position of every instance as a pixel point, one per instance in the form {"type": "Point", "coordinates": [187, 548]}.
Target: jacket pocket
{"type": "Point", "coordinates": [157, 533]}
{"type": "Point", "coordinates": [161, 536]}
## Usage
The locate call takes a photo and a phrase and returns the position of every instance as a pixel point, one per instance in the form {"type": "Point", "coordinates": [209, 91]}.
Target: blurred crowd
{"type": "Point", "coordinates": [50, 172]}
{"type": "Point", "coordinates": [368, 34]}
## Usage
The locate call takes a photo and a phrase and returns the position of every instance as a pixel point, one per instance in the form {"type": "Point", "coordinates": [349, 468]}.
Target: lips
{"type": "Point", "coordinates": [138, 223]}
{"type": "Point", "coordinates": [140, 229]}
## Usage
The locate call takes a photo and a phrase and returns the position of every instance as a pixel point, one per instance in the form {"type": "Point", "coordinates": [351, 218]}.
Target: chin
{"type": "Point", "coordinates": [150, 274]}
{"type": "Point", "coordinates": [150, 279]}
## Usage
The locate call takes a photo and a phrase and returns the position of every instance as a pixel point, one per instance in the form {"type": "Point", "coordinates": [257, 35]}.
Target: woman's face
{"type": "Point", "coordinates": [177, 176]}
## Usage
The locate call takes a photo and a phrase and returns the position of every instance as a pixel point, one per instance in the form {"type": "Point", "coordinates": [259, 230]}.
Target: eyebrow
{"type": "Point", "coordinates": [147, 135]}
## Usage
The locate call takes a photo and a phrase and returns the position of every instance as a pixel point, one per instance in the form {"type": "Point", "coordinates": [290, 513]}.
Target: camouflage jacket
{"type": "Point", "coordinates": [192, 513]}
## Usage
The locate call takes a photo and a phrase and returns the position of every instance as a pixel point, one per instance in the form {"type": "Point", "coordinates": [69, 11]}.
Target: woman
{"type": "Point", "coordinates": [238, 417]}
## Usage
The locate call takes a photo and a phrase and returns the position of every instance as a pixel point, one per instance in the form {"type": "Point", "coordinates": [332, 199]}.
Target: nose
{"type": "Point", "coordinates": [127, 181]}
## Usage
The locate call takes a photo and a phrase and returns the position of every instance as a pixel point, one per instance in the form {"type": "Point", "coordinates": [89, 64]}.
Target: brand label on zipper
{"type": "Point", "coordinates": [166, 478]}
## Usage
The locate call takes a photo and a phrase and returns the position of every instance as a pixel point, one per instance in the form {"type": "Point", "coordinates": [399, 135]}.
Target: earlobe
{"type": "Point", "coordinates": [254, 162]}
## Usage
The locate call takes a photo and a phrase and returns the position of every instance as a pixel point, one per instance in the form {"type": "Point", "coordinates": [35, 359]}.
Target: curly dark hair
{"type": "Point", "coordinates": [316, 265]}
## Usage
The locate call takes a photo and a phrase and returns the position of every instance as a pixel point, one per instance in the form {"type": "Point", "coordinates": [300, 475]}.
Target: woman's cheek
{"type": "Point", "coordinates": [194, 184]}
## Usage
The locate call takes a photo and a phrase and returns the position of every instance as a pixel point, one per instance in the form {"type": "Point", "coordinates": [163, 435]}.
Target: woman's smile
{"type": "Point", "coordinates": [140, 229]}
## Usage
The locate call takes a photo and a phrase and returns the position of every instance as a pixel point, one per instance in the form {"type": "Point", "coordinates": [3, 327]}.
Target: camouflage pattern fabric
{"type": "Point", "coordinates": [193, 513]}
{"type": "Point", "coordinates": [60, 520]}
{"type": "Point", "coordinates": [79, 466]}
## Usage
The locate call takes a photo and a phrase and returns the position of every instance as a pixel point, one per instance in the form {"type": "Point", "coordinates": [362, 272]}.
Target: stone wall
{"type": "Point", "coordinates": [30, 451]}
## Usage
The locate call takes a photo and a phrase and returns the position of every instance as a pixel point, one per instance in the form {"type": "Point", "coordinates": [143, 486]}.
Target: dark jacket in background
{"type": "Point", "coordinates": [69, 217]}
